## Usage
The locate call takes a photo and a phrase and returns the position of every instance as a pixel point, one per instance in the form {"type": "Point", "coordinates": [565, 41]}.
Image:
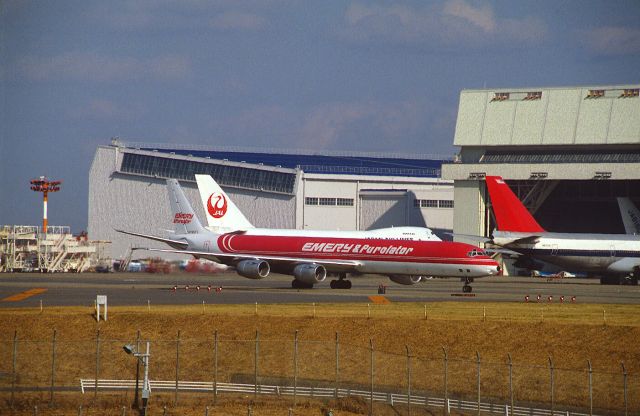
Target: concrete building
{"type": "Point", "coordinates": [274, 190]}
{"type": "Point", "coordinates": [567, 152]}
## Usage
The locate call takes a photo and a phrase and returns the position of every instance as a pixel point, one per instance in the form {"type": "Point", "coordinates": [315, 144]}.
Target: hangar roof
{"type": "Point", "coordinates": [336, 163]}
{"type": "Point", "coordinates": [567, 116]}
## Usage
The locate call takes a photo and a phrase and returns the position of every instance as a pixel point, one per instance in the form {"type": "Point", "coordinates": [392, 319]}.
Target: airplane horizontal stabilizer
{"type": "Point", "coordinates": [178, 244]}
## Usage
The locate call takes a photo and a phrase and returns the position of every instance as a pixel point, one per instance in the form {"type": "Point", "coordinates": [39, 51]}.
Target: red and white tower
{"type": "Point", "coordinates": [45, 186]}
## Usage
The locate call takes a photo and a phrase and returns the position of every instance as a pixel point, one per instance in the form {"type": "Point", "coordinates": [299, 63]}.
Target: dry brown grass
{"type": "Point", "coordinates": [530, 333]}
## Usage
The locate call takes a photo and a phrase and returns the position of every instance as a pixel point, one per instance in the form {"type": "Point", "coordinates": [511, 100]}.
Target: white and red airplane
{"type": "Point", "coordinates": [310, 256]}
{"type": "Point", "coordinates": [610, 256]}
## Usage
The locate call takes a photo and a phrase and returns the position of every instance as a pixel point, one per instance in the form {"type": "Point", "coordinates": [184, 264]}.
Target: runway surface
{"type": "Point", "coordinates": [136, 289]}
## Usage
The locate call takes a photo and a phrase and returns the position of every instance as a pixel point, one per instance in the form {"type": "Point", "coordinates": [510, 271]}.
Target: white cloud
{"type": "Point", "coordinates": [238, 21]}
{"type": "Point", "coordinates": [613, 40]}
{"type": "Point", "coordinates": [102, 109]}
{"type": "Point", "coordinates": [452, 23]}
{"type": "Point", "coordinates": [481, 17]}
{"type": "Point", "coordinates": [88, 66]}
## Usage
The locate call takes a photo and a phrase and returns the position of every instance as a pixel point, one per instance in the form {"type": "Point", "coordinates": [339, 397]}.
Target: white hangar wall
{"type": "Point", "coordinates": [560, 138]}
{"type": "Point", "coordinates": [131, 198]}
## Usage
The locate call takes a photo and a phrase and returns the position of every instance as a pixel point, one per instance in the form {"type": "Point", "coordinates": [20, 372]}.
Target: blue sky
{"type": "Point", "coordinates": [382, 76]}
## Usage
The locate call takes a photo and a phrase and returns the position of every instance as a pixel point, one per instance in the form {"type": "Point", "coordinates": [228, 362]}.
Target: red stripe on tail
{"type": "Point", "coordinates": [510, 214]}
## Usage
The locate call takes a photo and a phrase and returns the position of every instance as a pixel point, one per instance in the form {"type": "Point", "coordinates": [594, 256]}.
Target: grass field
{"type": "Point", "coordinates": [530, 333]}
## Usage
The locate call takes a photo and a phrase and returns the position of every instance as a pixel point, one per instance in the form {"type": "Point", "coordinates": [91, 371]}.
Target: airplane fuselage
{"type": "Point", "coordinates": [372, 255]}
{"type": "Point", "coordinates": [591, 253]}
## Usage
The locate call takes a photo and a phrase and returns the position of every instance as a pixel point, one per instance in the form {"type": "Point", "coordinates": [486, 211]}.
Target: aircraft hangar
{"type": "Point", "coordinates": [567, 152]}
{"type": "Point", "coordinates": [298, 190]}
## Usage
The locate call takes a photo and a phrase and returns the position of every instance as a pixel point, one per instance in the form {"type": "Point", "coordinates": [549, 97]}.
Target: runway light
{"type": "Point", "coordinates": [129, 349]}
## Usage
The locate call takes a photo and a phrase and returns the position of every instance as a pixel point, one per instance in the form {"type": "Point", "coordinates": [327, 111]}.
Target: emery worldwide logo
{"type": "Point", "coordinates": [182, 218]}
{"type": "Point", "coordinates": [219, 208]}
{"type": "Point", "coordinates": [355, 248]}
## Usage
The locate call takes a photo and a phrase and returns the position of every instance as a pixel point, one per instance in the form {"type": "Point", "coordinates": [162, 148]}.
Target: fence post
{"type": "Point", "coordinates": [446, 393]}
{"type": "Point", "coordinates": [295, 368]}
{"type": "Point", "coordinates": [553, 403]}
{"type": "Point", "coordinates": [510, 382]}
{"type": "Point", "coordinates": [590, 388]}
{"type": "Point", "coordinates": [136, 393]}
{"type": "Point", "coordinates": [408, 381]}
{"type": "Point", "coordinates": [371, 391]}
{"type": "Point", "coordinates": [215, 367]}
{"type": "Point", "coordinates": [95, 391]}
{"type": "Point", "coordinates": [478, 362]}
{"type": "Point", "coordinates": [13, 368]}
{"type": "Point", "coordinates": [337, 363]}
{"type": "Point", "coordinates": [624, 386]}
{"type": "Point", "coordinates": [53, 367]}
{"type": "Point", "coordinates": [255, 390]}
{"type": "Point", "coordinates": [175, 395]}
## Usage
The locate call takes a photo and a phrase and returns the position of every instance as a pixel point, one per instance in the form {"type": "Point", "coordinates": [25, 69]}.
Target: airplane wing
{"type": "Point", "coordinates": [332, 265]}
{"type": "Point", "coordinates": [532, 239]}
{"type": "Point", "coordinates": [178, 244]}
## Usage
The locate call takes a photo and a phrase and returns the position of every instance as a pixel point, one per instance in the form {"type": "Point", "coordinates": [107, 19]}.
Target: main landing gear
{"type": "Point", "coordinates": [341, 283]}
{"type": "Point", "coordinates": [467, 288]}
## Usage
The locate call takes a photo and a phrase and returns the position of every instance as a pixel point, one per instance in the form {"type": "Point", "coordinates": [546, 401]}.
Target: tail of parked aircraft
{"type": "Point", "coordinates": [630, 216]}
{"type": "Point", "coordinates": [184, 220]}
{"type": "Point", "coordinates": [510, 213]}
{"type": "Point", "coordinates": [222, 214]}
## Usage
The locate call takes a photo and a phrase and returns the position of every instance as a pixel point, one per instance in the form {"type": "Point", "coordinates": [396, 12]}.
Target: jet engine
{"type": "Point", "coordinates": [405, 279]}
{"type": "Point", "coordinates": [253, 269]}
{"type": "Point", "coordinates": [310, 273]}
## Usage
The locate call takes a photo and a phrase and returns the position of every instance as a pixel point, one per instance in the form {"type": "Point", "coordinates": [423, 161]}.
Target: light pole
{"type": "Point", "coordinates": [144, 358]}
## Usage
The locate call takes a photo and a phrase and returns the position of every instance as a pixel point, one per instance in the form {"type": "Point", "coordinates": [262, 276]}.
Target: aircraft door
{"type": "Point", "coordinates": [207, 246]}
{"type": "Point", "coordinates": [613, 251]}
{"type": "Point", "coordinates": [554, 250]}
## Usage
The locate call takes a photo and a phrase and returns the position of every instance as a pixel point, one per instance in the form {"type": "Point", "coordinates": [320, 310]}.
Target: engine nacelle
{"type": "Point", "coordinates": [253, 269]}
{"type": "Point", "coordinates": [310, 273]}
{"type": "Point", "coordinates": [405, 279]}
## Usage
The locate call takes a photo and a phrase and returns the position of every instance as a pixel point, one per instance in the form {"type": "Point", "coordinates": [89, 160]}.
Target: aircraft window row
{"type": "Point", "coordinates": [432, 203]}
{"type": "Point", "coordinates": [341, 202]}
{"type": "Point", "coordinates": [225, 175]}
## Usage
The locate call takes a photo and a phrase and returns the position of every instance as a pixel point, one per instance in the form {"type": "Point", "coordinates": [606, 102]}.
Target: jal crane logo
{"type": "Point", "coordinates": [219, 208]}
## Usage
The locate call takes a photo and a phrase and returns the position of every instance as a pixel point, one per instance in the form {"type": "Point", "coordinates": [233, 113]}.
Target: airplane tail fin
{"type": "Point", "coordinates": [510, 213]}
{"type": "Point", "coordinates": [630, 216]}
{"type": "Point", "coordinates": [220, 210]}
{"type": "Point", "coordinates": [184, 220]}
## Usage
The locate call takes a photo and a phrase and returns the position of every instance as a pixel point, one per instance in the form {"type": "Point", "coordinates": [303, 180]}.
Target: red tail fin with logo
{"type": "Point", "coordinates": [511, 214]}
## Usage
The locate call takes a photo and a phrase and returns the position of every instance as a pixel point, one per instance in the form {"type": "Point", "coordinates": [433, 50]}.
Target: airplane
{"type": "Point", "coordinates": [613, 257]}
{"type": "Point", "coordinates": [310, 258]}
{"type": "Point", "coordinates": [630, 215]}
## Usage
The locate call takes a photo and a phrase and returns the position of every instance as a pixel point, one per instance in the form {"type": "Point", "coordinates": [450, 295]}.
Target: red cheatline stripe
{"type": "Point", "coordinates": [23, 295]}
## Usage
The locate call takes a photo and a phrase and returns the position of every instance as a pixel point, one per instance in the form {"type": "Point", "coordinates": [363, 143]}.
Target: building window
{"type": "Point", "coordinates": [501, 96]}
{"type": "Point", "coordinates": [311, 201]}
{"type": "Point", "coordinates": [327, 201]}
{"type": "Point", "coordinates": [628, 93]}
{"type": "Point", "coordinates": [443, 203]}
{"type": "Point", "coordinates": [345, 202]}
{"type": "Point", "coordinates": [595, 94]}
{"type": "Point", "coordinates": [535, 95]}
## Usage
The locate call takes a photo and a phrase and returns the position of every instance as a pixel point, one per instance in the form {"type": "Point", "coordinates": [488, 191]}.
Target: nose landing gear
{"type": "Point", "coordinates": [467, 288]}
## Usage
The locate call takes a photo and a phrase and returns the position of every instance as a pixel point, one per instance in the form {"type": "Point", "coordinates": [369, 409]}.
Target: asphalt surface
{"type": "Point", "coordinates": [136, 289]}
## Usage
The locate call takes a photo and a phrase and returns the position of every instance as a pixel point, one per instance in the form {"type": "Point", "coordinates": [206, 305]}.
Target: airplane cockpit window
{"type": "Point", "coordinates": [476, 252]}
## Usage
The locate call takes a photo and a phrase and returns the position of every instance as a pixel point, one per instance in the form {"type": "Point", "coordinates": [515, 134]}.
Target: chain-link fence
{"type": "Point", "coordinates": [53, 365]}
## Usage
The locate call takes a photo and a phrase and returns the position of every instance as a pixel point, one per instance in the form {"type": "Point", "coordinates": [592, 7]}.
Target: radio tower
{"type": "Point", "coordinates": [45, 186]}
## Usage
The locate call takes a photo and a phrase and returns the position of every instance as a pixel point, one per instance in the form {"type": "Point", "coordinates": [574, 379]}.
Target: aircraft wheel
{"type": "Point", "coordinates": [467, 289]}
{"type": "Point", "coordinates": [333, 284]}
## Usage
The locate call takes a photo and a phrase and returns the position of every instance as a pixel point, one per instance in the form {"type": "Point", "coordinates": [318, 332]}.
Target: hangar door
{"type": "Point", "coordinates": [379, 209]}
